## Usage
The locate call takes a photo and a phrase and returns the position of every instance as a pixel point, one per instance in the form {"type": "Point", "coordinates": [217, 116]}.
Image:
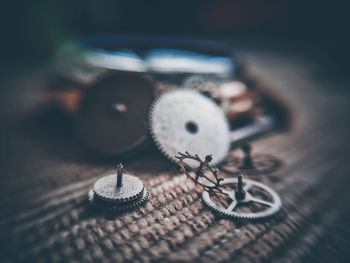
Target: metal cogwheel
{"type": "Point", "coordinates": [183, 120]}
{"type": "Point", "coordinates": [206, 85]}
{"type": "Point", "coordinates": [259, 164]}
{"type": "Point", "coordinates": [118, 192]}
{"type": "Point", "coordinates": [106, 190]}
{"type": "Point", "coordinates": [272, 207]}
{"type": "Point", "coordinates": [112, 118]}
{"type": "Point", "coordinates": [112, 207]}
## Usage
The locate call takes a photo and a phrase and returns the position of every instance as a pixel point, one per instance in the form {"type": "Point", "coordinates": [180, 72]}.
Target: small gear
{"type": "Point", "coordinates": [242, 197]}
{"type": "Point", "coordinates": [184, 120]}
{"type": "Point", "coordinates": [112, 208]}
{"type": "Point", "coordinates": [112, 118]}
{"type": "Point", "coordinates": [206, 85]}
{"type": "Point", "coordinates": [118, 192]}
{"type": "Point", "coordinates": [262, 164]}
{"type": "Point", "coordinates": [251, 164]}
{"type": "Point", "coordinates": [106, 190]}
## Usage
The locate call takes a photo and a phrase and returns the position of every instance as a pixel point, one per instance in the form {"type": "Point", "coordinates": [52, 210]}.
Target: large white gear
{"type": "Point", "coordinates": [184, 120]}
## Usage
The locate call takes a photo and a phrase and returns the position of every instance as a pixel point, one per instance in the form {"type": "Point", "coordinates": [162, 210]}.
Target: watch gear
{"type": "Point", "coordinates": [251, 164]}
{"type": "Point", "coordinates": [106, 190]}
{"type": "Point", "coordinates": [242, 197]}
{"type": "Point", "coordinates": [184, 120]}
{"type": "Point", "coordinates": [118, 192]}
{"type": "Point", "coordinates": [111, 119]}
{"type": "Point", "coordinates": [113, 208]}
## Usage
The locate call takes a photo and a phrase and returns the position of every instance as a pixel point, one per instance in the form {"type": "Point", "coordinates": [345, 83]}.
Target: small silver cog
{"type": "Point", "coordinates": [272, 207]}
{"type": "Point", "coordinates": [118, 192]}
{"type": "Point", "coordinates": [99, 204]}
{"type": "Point", "coordinates": [106, 190]}
{"type": "Point", "coordinates": [184, 120]}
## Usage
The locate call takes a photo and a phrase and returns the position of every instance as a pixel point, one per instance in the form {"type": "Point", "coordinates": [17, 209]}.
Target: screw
{"type": "Point", "coordinates": [208, 158]}
{"type": "Point", "coordinates": [240, 193]}
{"type": "Point", "coordinates": [120, 171]}
{"type": "Point", "coordinates": [247, 159]}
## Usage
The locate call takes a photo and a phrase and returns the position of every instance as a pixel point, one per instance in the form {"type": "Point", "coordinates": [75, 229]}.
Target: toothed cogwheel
{"type": "Point", "coordinates": [270, 207]}
{"type": "Point", "coordinates": [118, 192]}
{"type": "Point", "coordinates": [111, 119]}
{"type": "Point", "coordinates": [206, 85]}
{"type": "Point", "coordinates": [261, 164]}
{"type": "Point", "coordinates": [106, 190]}
{"type": "Point", "coordinates": [112, 207]}
{"type": "Point", "coordinates": [184, 120]}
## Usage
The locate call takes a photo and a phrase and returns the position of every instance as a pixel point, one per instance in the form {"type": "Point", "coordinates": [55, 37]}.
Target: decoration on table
{"type": "Point", "coordinates": [118, 192]}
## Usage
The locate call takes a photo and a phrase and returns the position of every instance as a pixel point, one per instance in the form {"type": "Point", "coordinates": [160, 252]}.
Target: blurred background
{"type": "Point", "coordinates": [33, 31]}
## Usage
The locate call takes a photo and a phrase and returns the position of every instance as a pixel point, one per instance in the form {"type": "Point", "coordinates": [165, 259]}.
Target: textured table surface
{"type": "Point", "coordinates": [45, 215]}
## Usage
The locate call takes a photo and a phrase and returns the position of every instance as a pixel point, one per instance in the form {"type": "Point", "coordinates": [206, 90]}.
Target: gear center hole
{"type": "Point", "coordinates": [191, 127]}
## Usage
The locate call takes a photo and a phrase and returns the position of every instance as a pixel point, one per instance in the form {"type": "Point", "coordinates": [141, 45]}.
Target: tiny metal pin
{"type": "Point", "coordinates": [240, 183]}
{"type": "Point", "coordinates": [247, 159]}
{"type": "Point", "coordinates": [240, 192]}
{"type": "Point", "coordinates": [120, 171]}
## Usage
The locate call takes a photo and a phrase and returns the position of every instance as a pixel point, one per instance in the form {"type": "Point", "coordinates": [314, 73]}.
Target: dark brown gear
{"type": "Point", "coordinates": [112, 118]}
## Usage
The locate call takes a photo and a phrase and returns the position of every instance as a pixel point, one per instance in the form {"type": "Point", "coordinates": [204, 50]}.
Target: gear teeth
{"type": "Point", "coordinates": [117, 208]}
{"type": "Point", "coordinates": [105, 193]}
{"type": "Point", "coordinates": [243, 218]}
{"type": "Point", "coordinates": [154, 135]}
{"type": "Point", "coordinates": [275, 208]}
{"type": "Point", "coordinates": [150, 127]}
{"type": "Point", "coordinates": [122, 200]}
